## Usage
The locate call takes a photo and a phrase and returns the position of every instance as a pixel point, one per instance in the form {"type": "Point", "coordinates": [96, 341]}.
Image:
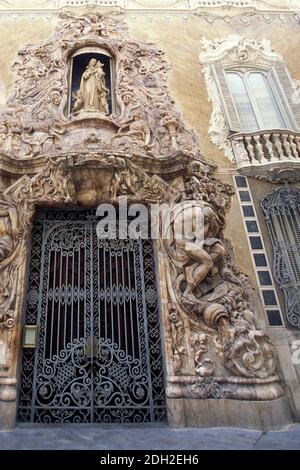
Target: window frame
{"type": "Point", "coordinates": [277, 96]}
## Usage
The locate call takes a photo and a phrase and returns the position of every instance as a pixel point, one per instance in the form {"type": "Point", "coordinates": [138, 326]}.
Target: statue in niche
{"type": "Point", "coordinates": [208, 290]}
{"type": "Point", "coordinates": [133, 131]}
{"type": "Point", "coordinates": [92, 94]}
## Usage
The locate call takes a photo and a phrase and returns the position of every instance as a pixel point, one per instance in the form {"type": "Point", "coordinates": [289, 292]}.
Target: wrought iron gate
{"type": "Point", "coordinates": [98, 356]}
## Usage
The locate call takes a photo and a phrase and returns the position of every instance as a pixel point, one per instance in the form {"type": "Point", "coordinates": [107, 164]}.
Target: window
{"type": "Point", "coordinates": [257, 101]}
{"type": "Point", "coordinates": [282, 214]}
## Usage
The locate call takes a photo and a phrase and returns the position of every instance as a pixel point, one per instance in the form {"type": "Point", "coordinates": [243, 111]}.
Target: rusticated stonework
{"type": "Point", "coordinates": [215, 345]}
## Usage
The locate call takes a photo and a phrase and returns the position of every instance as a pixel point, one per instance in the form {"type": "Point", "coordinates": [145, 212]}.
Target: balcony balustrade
{"type": "Point", "coordinates": [268, 155]}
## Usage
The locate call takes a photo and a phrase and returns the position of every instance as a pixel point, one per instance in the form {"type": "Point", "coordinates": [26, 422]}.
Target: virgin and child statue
{"type": "Point", "coordinates": [92, 94]}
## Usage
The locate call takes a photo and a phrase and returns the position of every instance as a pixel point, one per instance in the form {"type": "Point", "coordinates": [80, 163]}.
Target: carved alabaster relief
{"type": "Point", "coordinates": [177, 330]}
{"type": "Point", "coordinates": [211, 301]}
{"type": "Point", "coordinates": [58, 184]}
{"type": "Point", "coordinates": [52, 186]}
{"type": "Point", "coordinates": [103, 158]}
{"type": "Point", "coordinates": [203, 366]}
{"type": "Point", "coordinates": [108, 176]}
{"type": "Point", "coordinates": [230, 52]}
{"type": "Point", "coordinates": [145, 122]}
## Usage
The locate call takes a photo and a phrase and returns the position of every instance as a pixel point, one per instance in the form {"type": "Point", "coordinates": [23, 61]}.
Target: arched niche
{"type": "Point", "coordinates": [79, 61]}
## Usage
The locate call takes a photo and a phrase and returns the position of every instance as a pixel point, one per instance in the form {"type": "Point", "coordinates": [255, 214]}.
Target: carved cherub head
{"type": "Point", "coordinates": [197, 168]}
{"type": "Point", "coordinates": [127, 97]}
{"type": "Point", "coordinates": [55, 98]}
{"type": "Point", "coordinates": [174, 317]}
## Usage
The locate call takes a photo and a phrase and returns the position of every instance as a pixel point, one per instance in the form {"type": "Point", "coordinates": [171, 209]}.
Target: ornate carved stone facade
{"type": "Point", "coordinates": [215, 336]}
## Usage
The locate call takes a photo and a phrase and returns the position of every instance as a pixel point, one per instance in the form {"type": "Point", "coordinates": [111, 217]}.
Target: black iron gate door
{"type": "Point", "coordinates": [98, 355]}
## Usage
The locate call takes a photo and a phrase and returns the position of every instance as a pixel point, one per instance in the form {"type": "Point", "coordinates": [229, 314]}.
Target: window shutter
{"type": "Point", "coordinates": [227, 101]}
{"type": "Point", "coordinates": [284, 79]}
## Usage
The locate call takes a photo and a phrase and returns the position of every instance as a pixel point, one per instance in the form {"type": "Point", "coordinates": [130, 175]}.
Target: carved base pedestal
{"type": "Point", "coordinates": [233, 388]}
{"type": "Point", "coordinates": [263, 415]}
{"type": "Point", "coordinates": [8, 404]}
{"type": "Point", "coordinates": [8, 412]}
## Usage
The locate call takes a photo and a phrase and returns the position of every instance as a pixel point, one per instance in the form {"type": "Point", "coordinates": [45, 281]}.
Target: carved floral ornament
{"type": "Point", "coordinates": [211, 323]}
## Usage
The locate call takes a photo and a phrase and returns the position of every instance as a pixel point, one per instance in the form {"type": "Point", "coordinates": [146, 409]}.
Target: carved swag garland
{"type": "Point", "coordinates": [208, 296]}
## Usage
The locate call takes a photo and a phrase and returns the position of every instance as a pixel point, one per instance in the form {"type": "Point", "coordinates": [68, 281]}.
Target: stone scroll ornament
{"type": "Point", "coordinates": [208, 298]}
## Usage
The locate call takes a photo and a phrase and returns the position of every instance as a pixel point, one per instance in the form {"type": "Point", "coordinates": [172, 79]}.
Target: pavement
{"type": "Point", "coordinates": [145, 437]}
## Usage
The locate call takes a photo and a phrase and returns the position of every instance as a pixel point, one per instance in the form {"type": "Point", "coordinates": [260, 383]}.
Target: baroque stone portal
{"type": "Point", "coordinates": [215, 336]}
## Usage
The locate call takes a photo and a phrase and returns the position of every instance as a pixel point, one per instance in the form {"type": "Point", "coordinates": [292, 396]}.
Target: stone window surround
{"type": "Point", "coordinates": [233, 53]}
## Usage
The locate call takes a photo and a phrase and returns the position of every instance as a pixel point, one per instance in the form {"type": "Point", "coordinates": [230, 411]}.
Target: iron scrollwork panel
{"type": "Point", "coordinates": [124, 387]}
{"type": "Point", "coordinates": [62, 371]}
{"type": "Point", "coordinates": [281, 209]}
{"type": "Point", "coordinates": [99, 355]}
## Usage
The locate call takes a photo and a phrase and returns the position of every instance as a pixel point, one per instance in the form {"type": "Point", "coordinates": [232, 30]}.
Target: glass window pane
{"type": "Point", "coordinates": [268, 108]}
{"type": "Point", "coordinates": [242, 102]}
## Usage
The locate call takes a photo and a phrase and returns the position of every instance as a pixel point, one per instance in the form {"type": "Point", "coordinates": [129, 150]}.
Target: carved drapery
{"type": "Point", "coordinates": [214, 346]}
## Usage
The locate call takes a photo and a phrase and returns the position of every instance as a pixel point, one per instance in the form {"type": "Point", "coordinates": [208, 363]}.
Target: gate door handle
{"type": "Point", "coordinates": [91, 347]}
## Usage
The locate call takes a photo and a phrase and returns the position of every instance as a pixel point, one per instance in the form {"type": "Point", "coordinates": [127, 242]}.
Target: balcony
{"type": "Point", "coordinates": [268, 155]}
